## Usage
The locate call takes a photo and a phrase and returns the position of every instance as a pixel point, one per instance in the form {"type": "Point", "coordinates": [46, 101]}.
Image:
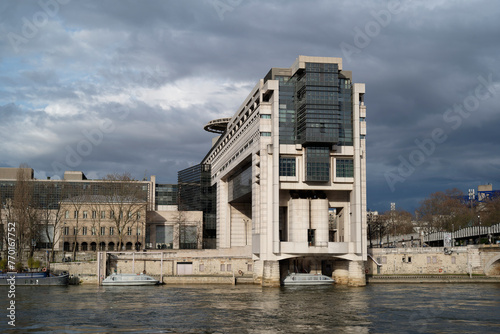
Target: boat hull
{"type": "Point", "coordinates": [33, 279]}
{"type": "Point", "coordinates": [129, 279]}
{"type": "Point", "coordinates": [307, 279]}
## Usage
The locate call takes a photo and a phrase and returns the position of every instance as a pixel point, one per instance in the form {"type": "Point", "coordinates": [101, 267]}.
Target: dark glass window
{"type": "Point", "coordinates": [287, 166]}
{"type": "Point", "coordinates": [345, 168]}
{"type": "Point", "coordinates": [317, 164]}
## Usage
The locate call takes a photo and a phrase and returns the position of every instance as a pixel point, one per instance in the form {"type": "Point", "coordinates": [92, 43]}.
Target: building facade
{"type": "Point", "coordinates": [290, 173]}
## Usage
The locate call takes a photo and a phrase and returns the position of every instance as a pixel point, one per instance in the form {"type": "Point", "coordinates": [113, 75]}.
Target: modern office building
{"type": "Point", "coordinates": [289, 173]}
{"type": "Point", "coordinates": [196, 193]}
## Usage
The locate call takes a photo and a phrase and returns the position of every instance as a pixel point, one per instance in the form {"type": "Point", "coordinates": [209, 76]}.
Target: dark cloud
{"type": "Point", "coordinates": [139, 79]}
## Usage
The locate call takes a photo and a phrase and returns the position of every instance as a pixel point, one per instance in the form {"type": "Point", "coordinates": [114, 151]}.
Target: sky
{"type": "Point", "coordinates": [115, 86]}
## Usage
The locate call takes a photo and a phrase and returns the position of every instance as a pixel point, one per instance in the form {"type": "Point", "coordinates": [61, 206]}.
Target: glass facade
{"type": "Point", "coordinates": [166, 194]}
{"type": "Point", "coordinates": [164, 237]}
{"type": "Point", "coordinates": [197, 194]}
{"type": "Point", "coordinates": [316, 103]}
{"type": "Point", "coordinates": [49, 194]}
{"type": "Point", "coordinates": [345, 168]}
{"type": "Point", "coordinates": [317, 164]}
{"type": "Point", "coordinates": [287, 110]}
{"type": "Point", "coordinates": [240, 184]}
{"type": "Point", "coordinates": [287, 166]}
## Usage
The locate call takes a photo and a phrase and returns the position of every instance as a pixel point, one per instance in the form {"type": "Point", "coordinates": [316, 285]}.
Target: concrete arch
{"type": "Point", "coordinates": [489, 265]}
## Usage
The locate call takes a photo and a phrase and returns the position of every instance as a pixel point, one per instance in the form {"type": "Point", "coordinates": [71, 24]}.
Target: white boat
{"type": "Point", "coordinates": [307, 279]}
{"type": "Point", "coordinates": [129, 279]}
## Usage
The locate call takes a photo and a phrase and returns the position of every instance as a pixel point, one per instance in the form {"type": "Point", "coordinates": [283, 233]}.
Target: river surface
{"type": "Point", "coordinates": [381, 308]}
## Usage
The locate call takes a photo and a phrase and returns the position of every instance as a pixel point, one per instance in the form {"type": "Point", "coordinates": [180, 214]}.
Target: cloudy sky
{"type": "Point", "coordinates": [126, 86]}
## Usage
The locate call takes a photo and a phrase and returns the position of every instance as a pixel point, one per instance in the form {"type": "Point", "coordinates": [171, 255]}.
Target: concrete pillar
{"type": "Point", "coordinates": [271, 274]}
{"type": "Point", "coordinates": [357, 276]}
{"type": "Point", "coordinates": [341, 272]}
{"type": "Point", "coordinates": [258, 269]}
{"type": "Point", "coordinates": [319, 221]}
{"type": "Point", "coordinates": [299, 219]}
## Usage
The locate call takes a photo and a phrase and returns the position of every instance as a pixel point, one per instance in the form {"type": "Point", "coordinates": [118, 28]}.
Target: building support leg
{"type": "Point", "coordinates": [271, 273]}
{"type": "Point", "coordinates": [357, 276]}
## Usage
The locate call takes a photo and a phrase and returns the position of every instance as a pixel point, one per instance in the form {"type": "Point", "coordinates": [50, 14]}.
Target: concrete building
{"type": "Point", "coordinates": [289, 173]}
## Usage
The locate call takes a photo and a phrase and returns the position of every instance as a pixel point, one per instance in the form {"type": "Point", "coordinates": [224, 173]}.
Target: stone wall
{"type": "Point", "coordinates": [424, 260]}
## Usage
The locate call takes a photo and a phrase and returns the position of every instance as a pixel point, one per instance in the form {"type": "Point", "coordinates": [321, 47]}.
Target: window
{"type": "Point", "coordinates": [249, 267]}
{"type": "Point", "coordinates": [66, 214]}
{"type": "Point", "coordinates": [202, 268]}
{"type": "Point", "coordinates": [222, 267]}
{"type": "Point", "coordinates": [129, 230]}
{"type": "Point", "coordinates": [85, 215]}
{"type": "Point", "coordinates": [111, 231]}
{"type": "Point", "coordinates": [138, 231]}
{"type": "Point", "coordinates": [265, 134]}
{"type": "Point", "coordinates": [111, 214]}
{"type": "Point", "coordinates": [138, 215]}
{"type": "Point", "coordinates": [75, 231]}
{"type": "Point", "coordinates": [103, 230]}
{"type": "Point", "coordinates": [318, 164]}
{"type": "Point", "coordinates": [103, 214]}
{"type": "Point", "coordinates": [93, 231]}
{"type": "Point", "coordinates": [94, 214]}
{"type": "Point", "coordinates": [84, 230]}
{"type": "Point", "coordinates": [75, 214]}
{"type": "Point", "coordinates": [228, 267]}
{"type": "Point", "coordinates": [345, 168]}
{"type": "Point", "coordinates": [265, 116]}
{"type": "Point", "coordinates": [287, 166]}
{"type": "Point", "coordinates": [66, 230]}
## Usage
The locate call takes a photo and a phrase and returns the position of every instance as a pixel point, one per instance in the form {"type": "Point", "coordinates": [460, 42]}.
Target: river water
{"type": "Point", "coordinates": [381, 308]}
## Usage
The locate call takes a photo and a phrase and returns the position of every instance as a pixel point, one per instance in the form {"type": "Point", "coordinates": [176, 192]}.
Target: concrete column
{"type": "Point", "coordinates": [257, 271]}
{"type": "Point", "coordinates": [319, 221]}
{"type": "Point", "coordinates": [341, 272]}
{"type": "Point", "coordinates": [299, 219]}
{"type": "Point", "coordinates": [271, 274]}
{"type": "Point", "coordinates": [357, 276]}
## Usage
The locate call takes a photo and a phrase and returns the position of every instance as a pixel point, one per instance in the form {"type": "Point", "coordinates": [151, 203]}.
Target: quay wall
{"type": "Point", "coordinates": [210, 266]}
{"type": "Point", "coordinates": [466, 260]}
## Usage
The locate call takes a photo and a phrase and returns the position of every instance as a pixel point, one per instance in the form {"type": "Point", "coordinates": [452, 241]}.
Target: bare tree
{"type": "Point", "coordinates": [490, 211]}
{"type": "Point", "coordinates": [441, 210]}
{"type": "Point", "coordinates": [76, 199]}
{"type": "Point", "coordinates": [187, 233]}
{"type": "Point", "coordinates": [127, 199]}
{"type": "Point", "coordinates": [51, 217]}
{"type": "Point", "coordinates": [25, 213]}
{"type": "Point", "coordinates": [96, 219]}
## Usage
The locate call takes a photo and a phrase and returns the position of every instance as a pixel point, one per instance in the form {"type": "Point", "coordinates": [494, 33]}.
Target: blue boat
{"type": "Point", "coordinates": [33, 278]}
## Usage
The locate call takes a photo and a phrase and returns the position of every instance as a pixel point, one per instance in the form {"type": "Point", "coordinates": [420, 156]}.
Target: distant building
{"type": "Point", "coordinates": [79, 213]}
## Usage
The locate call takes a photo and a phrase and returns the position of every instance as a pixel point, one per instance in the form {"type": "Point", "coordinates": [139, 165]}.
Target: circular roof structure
{"type": "Point", "coordinates": [218, 126]}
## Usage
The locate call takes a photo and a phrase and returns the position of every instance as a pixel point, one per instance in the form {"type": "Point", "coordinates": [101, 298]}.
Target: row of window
{"type": "Point", "coordinates": [344, 167]}
{"type": "Point", "coordinates": [93, 231]}
{"type": "Point", "coordinates": [102, 214]}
